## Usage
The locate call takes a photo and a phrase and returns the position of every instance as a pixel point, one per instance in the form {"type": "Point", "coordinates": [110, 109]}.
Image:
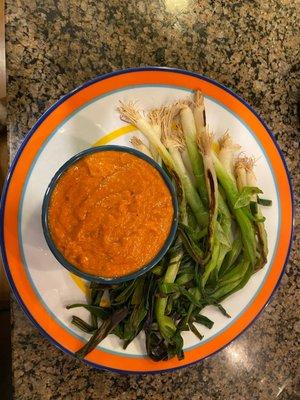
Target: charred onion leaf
{"type": "Point", "coordinates": [124, 294]}
{"type": "Point", "coordinates": [184, 278]}
{"type": "Point", "coordinates": [106, 327]}
{"type": "Point", "coordinates": [82, 325]}
{"type": "Point", "coordinates": [155, 345]}
{"type": "Point", "coordinates": [159, 349]}
{"type": "Point", "coordinates": [230, 288]}
{"type": "Point", "coordinates": [119, 330]}
{"type": "Point", "coordinates": [175, 345]}
{"type": "Point", "coordinates": [96, 295]}
{"type": "Point", "coordinates": [158, 270]}
{"type": "Point", "coordinates": [222, 236]}
{"type": "Point", "coordinates": [235, 274]}
{"type": "Point", "coordinates": [232, 255]}
{"type": "Point", "coordinates": [94, 310]}
{"type": "Point", "coordinates": [195, 331]}
{"type": "Point", "coordinates": [134, 324]}
{"type": "Point", "coordinates": [191, 247]}
{"type": "Point", "coordinates": [201, 319]}
{"type": "Point", "coordinates": [245, 196]}
{"type": "Point", "coordinates": [253, 217]}
{"type": "Point", "coordinates": [194, 234]}
{"type": "Point", "coordinates": [253, 207]}
{"type": "Point", "coordinates": [99, 286]}
{"type": "Point", "coordinates": [264, 202]}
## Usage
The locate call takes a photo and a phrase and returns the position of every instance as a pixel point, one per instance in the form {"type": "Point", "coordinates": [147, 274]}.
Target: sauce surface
{"type": "Point", "coordinates": [110, 213]}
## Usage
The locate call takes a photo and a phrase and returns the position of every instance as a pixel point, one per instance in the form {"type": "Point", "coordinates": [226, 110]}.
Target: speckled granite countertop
{"type": "Point", "coordinates": [250, 46]}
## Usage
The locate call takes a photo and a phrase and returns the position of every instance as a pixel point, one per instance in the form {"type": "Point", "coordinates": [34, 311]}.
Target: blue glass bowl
{"type": "Point", "coordinates": [72, 268]}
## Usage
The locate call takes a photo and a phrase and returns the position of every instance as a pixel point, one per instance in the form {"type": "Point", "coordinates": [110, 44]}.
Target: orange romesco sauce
{"type": "Point", "coordinates": [110, 213]}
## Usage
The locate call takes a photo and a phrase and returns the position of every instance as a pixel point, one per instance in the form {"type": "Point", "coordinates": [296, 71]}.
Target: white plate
{"type": "Point", "coordinates": [88, 116]}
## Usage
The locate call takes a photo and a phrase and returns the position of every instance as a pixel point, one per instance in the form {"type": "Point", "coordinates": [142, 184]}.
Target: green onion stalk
{"type": "Point", "coordinates": [190, 192]}
{"type": "Point", "coordinates": [224, 234]}
{"type": "Point", "coordinates": [130, 114]}
{"type": "Point", "coordinates": [190, 136]}
{"type": "Point", "coordinates": [174, 163]}
{"type": "Point", "coordinates": [166, 325]}
{"type": "Point", "coordinates": [230, 189]}
{"type": "Point", "coordinates": [226, 153]}
{"type": "Point", "coordinates": [216, 201]}
{"type": "Point", "coordinates": [220, 235]}
{"type": "Point", "coordinates": [246, 178]}
{"type": "Point", "coordinates": [205, 141]}
{"type": "Point", "coordinates": [174, 144]}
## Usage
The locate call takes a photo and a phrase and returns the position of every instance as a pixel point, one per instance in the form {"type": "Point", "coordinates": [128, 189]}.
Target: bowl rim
{"type": "Point", "coordinates": [45, 223]}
